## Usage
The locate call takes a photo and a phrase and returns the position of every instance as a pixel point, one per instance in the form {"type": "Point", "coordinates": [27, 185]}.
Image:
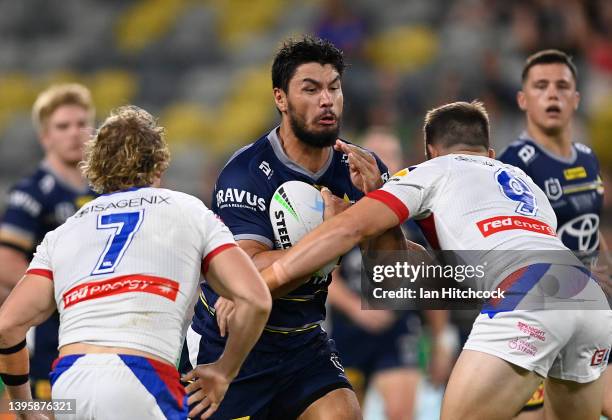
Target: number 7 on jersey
{"type": "Point", "coordinates": [125, 225]}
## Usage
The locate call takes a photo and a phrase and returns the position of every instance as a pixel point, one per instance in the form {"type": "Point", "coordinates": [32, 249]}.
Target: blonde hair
{"type": "Point", "coordinates": [129, 150]}
{"type": "Point", "coordinates": [49, 100]}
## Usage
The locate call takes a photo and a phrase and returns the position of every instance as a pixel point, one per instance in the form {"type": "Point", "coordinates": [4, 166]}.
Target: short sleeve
{"type": "Point", "coordinates": [41, 262]}
{"type": "Point", "coordinates": [21, 221]}
{"type": "Point", "coordinates": [411, 191]}
{"type": "Point", "coordinates": [242, 203]}
{"type": "Point", "coordinates": [217, 238]}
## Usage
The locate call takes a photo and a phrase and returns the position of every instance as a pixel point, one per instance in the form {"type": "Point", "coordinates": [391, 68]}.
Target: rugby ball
{"type": "Point", "coordinates": [297, 208]}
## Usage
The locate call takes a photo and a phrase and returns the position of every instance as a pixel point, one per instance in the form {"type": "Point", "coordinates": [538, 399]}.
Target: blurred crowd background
{"type": "Point", "coordinates": [203, 67]}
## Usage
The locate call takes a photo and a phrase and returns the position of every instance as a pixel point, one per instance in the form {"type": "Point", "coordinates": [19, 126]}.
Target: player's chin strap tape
{"type": "Point", "coordinates": [14, 380]}
{"type": "Point", "coordinates": [13, 349]}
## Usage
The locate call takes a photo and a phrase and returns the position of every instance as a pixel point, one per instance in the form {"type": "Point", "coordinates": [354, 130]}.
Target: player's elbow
{"type": "Point", "coordinates": [258, 302]}
{"type": "Point", "coordinates": [9, 331]}
{"type": "Point", "coordinates": [262, 304]}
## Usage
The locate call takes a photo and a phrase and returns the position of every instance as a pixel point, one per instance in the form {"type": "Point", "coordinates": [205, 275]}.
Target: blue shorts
{"type": "Point", "coordinates": [273, 385]}
{"type": "Point", "coordinates": [364, 353]}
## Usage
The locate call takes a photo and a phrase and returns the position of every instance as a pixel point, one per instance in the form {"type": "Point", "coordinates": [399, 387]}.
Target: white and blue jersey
{"type": "Point", "coordinates": [241, 198]}
{"type": "Point", "coordinates": [573, 186]}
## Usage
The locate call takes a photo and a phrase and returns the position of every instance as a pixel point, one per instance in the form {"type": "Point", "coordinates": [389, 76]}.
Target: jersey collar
{"type": "Point", "coordinates": [569, 161]}
{"type": "Point", "coordinates": [285, 160]}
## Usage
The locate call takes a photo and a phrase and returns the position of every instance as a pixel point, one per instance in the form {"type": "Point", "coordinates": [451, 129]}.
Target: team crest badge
{"type": "Point", "coordinates": [553, 189]}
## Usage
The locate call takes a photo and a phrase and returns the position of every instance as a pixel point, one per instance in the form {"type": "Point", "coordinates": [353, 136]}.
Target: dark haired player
{"type": "Point", "coordinates": [478, 203]}
{"type": "Point", "coordinates": [567, 171]}
{"type": "Point", "coordinates": [294, 370]}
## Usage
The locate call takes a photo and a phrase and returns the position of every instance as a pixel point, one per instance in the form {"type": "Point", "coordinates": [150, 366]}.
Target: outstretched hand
{"type": "Point", "coordinates": [208, 385]}
{"type": "Point", "coordinates": [364, 171]}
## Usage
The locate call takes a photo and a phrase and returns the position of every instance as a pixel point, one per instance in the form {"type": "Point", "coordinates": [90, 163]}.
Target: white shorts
{"type": "Point", "coordinates": [114, 387]}
{"type": "Point", "coordinates": [564, 344]}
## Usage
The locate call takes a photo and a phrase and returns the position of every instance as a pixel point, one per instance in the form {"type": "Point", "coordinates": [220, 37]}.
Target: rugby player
{"type": "Point", "coordinates": [40, 202]}
{"type": "Point", "coordinates": [381, 347]}
{"type": "Point", "coordinates": [567, 171]}
{"type": "Point", "coordinates": [122, 272]}
{"type": "Point", "coordinates": [475, 202]}
{"type": "Point", "coordinates": [294, 370]}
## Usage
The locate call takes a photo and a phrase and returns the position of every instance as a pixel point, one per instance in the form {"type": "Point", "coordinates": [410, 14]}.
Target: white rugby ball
{"type": "Point", "coordinates": [297, 208]}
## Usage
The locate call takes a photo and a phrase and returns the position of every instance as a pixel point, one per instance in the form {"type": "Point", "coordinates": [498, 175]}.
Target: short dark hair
{"type": "Point", "coordinates": [458, 123]}
{"type": "Point", "coordinates": [549, 57]}
{"type": "Point", "coordinates": [294, 53]}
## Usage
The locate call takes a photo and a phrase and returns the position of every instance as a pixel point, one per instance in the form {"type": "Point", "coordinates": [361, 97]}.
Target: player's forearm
{"type": "Point", "coordinates": [14, 370]}
{"type": "Point", "coordinates": [323, 245]}
{"type": "Point", "coordinates": [265, 259]}
{"type": "Point", "coordinates": [391, 240]}
{"type": "Point", "coordinates": [246, 325]}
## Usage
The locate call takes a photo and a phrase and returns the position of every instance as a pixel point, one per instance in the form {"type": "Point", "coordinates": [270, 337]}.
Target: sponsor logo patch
{"type": "Point", "coordinates": [233, 197]}
{"type": "Point", "coordinates": [600, 356]}
{"type": "Point", "coordinates": [575, 173]}
{"type": "Point", "coordinates": [123, 284]}
{"type": "Point", "coordinates": [523, 346]}
{"type": "Point", "coordinates": [497, 224]}
{"type": "Point", "coordinates": [531, 331]}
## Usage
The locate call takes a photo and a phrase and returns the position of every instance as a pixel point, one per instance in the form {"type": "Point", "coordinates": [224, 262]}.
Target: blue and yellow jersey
{"type": "Point", "coordinates": [36, 205]}
{"type": "Point", "coordinates": [241, 198]}
{"type": "Point", "coordinates": [573, 186]}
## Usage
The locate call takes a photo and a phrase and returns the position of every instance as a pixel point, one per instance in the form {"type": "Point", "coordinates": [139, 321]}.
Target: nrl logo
{"type": "Point", "coordinates": [553, 189]}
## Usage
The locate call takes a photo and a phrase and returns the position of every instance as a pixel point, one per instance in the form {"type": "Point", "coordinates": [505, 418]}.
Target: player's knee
{"type": "Point", "coordinates": [349, 408]}
{"type": "Point", "coordinates": [398, 411]}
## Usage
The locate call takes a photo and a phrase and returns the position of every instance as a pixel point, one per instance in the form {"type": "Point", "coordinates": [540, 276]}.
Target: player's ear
{"type": "Point", "coordinates": [432, 152]}
{"type": "Point", "coordinates": [577, 100]}
{"type": "Point", "coordinates": [280, 98]}
{"type": "Point", "coordinates": [521, 100]}
{"type": "Point", "coordinates": [491, 153]}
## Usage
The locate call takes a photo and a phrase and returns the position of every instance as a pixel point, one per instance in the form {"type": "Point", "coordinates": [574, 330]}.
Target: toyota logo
{"type": "Point", "coordinates": [584, 230]}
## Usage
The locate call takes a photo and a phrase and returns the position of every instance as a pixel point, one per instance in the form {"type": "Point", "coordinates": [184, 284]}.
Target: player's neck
{"type": "Point", "coordinates": [308, 157]}
{"type": "Point", "coordinates": [69, 174]}
{"type": "Point", "coordinates": [559, 144]}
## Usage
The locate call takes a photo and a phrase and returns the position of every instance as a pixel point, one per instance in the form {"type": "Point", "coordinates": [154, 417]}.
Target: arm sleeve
{"type": "Point", "coordinates": [242, 203]}
{"type": "Point", "coordinates": [41, 263]}
{"type": "Point", "coordinates": [217, 238]}
{"type": "Point", "coordinates": [411, 192]}
{"type": "Point", "coordinates": [21, 220]}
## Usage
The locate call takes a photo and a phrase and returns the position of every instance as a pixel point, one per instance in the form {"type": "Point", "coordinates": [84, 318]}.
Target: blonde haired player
{"type": "Point", "coordinates": [43, 200]}
{"type": "Point", "coordinates": [122, 272]}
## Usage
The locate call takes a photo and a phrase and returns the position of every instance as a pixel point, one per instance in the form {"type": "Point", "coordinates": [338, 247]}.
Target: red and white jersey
{"type": "Point", "coordinates": [466, 202]}
{"type": "Point", "coordinates": [469, 202]}
{"type": "Point", "coordinates": [126, 266]}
